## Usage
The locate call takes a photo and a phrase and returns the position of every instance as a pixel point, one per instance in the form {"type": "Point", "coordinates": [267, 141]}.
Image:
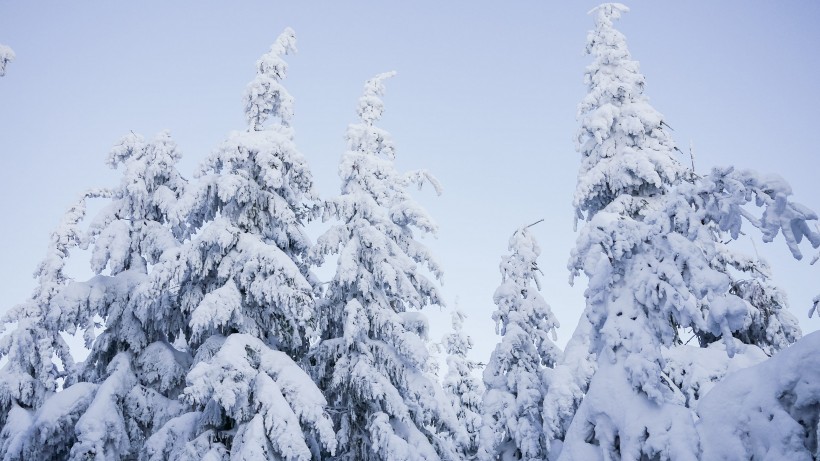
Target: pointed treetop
{"type": "Point", "coordinates": [265, 97]}
{"type": "Point", "coordinates": [522, 242]}
{"type": "Point", "coordinates": [371, 107]}
{"type": "Point", "coordinates": [364, 138]}
{"type": "Point", "coordinates": [605, 13]}
{"type": "Point", "coordinates": [271, 63]}
{"type": "Point", "coordinates": [627, 155]}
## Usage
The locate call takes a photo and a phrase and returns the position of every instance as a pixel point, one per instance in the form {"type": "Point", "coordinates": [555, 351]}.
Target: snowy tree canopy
{"type": "Point", "coordinates": [29, 377]}
{"type": "Point", "coordinates": [203, 292]}
{"type": "Point", "coordinates": [6, 56]}
{"type": "Point", "coordinates": [210, 337]}
{"type": "Point", "coordinates": [654, 249]}
{"type": "Point", "coordinates": [625, 149]}
{"type": "Point", "coordinates": [245, 289]}
{"type": "Point", "coordinates": [515, 376]}
{"type": "Point", "coordinates": [371, 362]}
{"type": "Point", "coordinates": [129, 382]}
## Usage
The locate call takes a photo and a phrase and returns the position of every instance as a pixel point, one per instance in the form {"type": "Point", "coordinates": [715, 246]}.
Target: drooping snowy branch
{"type": "Point", "coordinates": [6, 56]}
{"type": "Point", "coordinates": [29, 377]}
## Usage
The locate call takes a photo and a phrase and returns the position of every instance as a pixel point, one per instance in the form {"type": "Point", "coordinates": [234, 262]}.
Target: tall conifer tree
{"type": "Point", "coordinates": [245, 289]}
{"type": "Point", "coordinates": [372, 359]}
{"type": "Point", "coordinates": [651, 248]}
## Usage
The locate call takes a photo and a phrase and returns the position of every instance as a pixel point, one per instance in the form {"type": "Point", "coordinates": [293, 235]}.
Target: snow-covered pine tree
{"type": "Point", "coordinates": [30, 375]}
{"type": "Point", "coordinates": [244, 288]}
{"type": "Point", "coordinates": [6, 56]}
{"type": "Point", "coordinates": [461, 385]}
{"type": "Point", "coordinates": [627, 161]}
{"type": "Point", "coordinates": [652, 252]}
{"type": "Point", "coordinates": [515, 377]}
{"type": "Point", "coordinates": [128, 384]}
{"type": "Point", "coordinates": [372, 357]}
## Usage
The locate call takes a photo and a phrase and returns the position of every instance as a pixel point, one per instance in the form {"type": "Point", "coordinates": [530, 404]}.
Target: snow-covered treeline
{"type": "Point", "coordinates": [211, 337]}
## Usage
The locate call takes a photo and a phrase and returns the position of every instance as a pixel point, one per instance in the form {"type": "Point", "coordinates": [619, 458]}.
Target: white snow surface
{"type": "Point", "coordinates": [769, 411]}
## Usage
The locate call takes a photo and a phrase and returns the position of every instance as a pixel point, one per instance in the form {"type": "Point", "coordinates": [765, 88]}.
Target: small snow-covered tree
{"type": "Point", "coordinates": [30, 375]}
{"type": "Point", "coordinates": [627, 163]}
{"type": "Point", "coordinates": [373, 354]}
{"type": "Point", "coordinates": [128, 384]}
{"type": "Point", "coordinates": [243, 285]}
{"type": "Point", "coordinates": [653, 250]}
{"type": "Point", "coordinates": [515, 376]}
{"type": "Point", "coordinates": [6, 56]}
{"type": "Point", "coordinates": [461, 385]}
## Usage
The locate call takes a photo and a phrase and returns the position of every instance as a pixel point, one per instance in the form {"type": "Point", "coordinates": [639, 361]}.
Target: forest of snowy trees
{"type": "Point", "coordinates": [212, 337]}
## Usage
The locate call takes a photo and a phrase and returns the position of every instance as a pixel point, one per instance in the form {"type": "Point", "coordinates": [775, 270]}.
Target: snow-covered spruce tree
{"type": "Point", "coordinates": [515, 377]}
{"type": "Point", "coordinates": [373, 352]}
{"type": "Point", "coordinates": [128, 384]}
{"type": "Point", "coordinates": [30, 376]}
{"type": "Point", "coordinates": [627, 161]}
{"type": "Point", "coordinates": [652, 251]}
{"type": "Point", "coordinates": [245, 290]}
{"type": "Point", "coordinates": [6, 56]}
{"type": "Point", "coordinates": [461, 385]}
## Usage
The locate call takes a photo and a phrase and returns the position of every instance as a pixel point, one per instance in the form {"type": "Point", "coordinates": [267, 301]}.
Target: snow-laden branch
{"type": "Point", "coordinates": [6, 56]}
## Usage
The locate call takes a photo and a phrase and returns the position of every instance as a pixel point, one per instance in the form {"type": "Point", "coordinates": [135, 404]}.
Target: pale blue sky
{"type": "Point", "coordinates": [485, 98]}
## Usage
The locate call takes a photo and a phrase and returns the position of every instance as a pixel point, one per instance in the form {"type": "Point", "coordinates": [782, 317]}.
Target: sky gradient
{"type": "Point", "coordinates": [485, 98]}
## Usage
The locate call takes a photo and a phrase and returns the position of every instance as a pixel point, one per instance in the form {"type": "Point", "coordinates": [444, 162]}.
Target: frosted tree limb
{"type": "Point", "coordinates": [6, 56]}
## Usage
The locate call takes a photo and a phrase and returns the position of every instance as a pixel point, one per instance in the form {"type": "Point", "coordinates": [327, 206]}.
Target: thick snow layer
{"type": "Point", "coordinates": [616, 421]}
{"type": "Point", "coordinates": [46, 433]}
{"type": "Point", "coordinates": [770, 411]}
{"type": "Point", "coordinates": [695, 370]}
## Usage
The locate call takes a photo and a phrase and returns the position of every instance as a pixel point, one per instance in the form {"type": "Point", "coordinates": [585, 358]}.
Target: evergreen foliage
{"type": "Point", "coordinates": [653, 251]}
{"type": "Point", "coordinates": [246, 293]}
{"type": "Point", "coordinates": [129, 382]}
{"type": "Point", "coordinates": [461, 385]}
{"type": "Point", "coordinates": [210, 337]}
{"type": "Point", "coordinates": [515, 376]}
{"type": "Point", "coordinates": [372, 360]}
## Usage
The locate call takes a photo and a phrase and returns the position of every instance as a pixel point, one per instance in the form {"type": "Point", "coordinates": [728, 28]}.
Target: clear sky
{"type": "Point", "coordinates": [485, 98]}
